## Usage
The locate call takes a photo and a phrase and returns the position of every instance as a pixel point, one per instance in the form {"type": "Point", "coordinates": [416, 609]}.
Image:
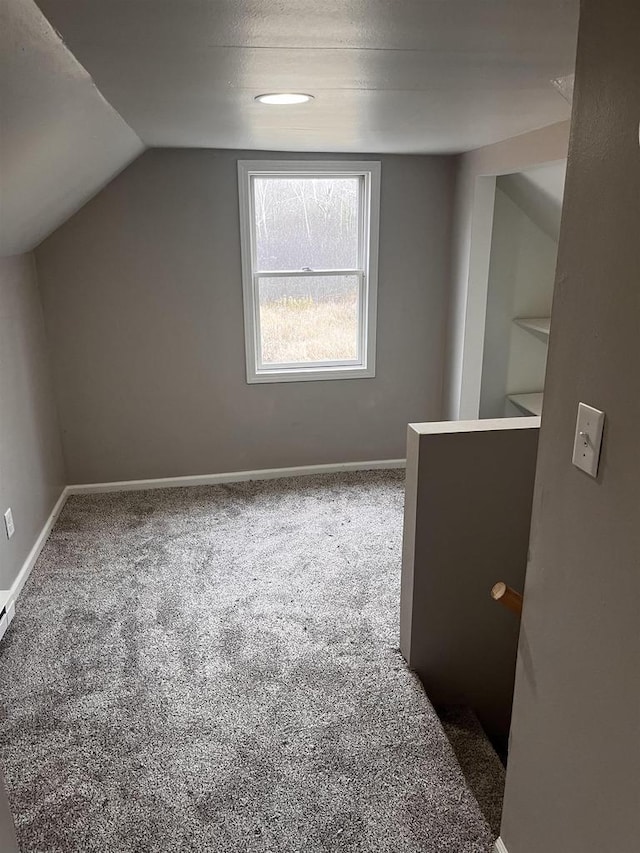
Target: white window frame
{"type": "Point", "coordinates": [367, 270]}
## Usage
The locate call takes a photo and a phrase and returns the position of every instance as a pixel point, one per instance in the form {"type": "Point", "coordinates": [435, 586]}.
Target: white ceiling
{"type": "Point", "coordinates": [60, 141]}
{"type": "Point", "coordinates": [420, 76]}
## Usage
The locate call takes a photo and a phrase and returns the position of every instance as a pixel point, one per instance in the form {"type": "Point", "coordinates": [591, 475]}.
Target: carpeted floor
{"type": "Point", "coordinates": [479, 762]}
{"type": "Point", "coordinates": [216, 669]}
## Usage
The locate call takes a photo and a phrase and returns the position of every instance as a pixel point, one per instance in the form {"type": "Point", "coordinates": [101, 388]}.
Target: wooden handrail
{"type": "Point", "coordinates": [508, 597]}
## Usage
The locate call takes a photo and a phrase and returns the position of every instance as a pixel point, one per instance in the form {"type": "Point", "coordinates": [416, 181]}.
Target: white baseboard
{"type": "Point", "coordinates": [34, 553]}
{"type": "Point", "coordinates": [500, 847]}
{"type": "Point", "coordinates": [232, 477]}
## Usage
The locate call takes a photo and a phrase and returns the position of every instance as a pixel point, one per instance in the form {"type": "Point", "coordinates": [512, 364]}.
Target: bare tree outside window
{"type": "Point", "coordinates": [307, 224]}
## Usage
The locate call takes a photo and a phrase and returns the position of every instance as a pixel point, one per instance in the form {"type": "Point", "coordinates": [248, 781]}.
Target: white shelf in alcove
{"type": "Point", "coordinates": [531, 404]}
{"type": "Point", "coordinates": [538, 326]}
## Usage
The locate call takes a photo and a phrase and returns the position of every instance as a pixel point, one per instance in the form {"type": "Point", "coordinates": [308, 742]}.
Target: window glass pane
{"type": "Point", "coordinates": [306, 222]}
{"type": "Point", "coordinates": [308, 319]}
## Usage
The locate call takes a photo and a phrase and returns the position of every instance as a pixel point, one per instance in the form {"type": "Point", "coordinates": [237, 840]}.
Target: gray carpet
{"type": "Point", "coordinates": [478, 760]}
{"type": "Point", "coordinates": [216, 669]}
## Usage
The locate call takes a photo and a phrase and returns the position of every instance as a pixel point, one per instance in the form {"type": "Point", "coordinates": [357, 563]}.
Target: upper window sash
{"type": "Point", "coordinates": [331, 172]}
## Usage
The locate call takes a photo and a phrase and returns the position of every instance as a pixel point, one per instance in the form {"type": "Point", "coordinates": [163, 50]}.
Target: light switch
{"type": "Point", "coordinates": [588, 439]}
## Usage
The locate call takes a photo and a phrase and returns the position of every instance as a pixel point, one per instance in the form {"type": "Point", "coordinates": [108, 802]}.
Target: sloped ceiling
{"type": "Point", "coordinates": [539, 192]}
{"type": "Point", "coordinates": [397, 76]}
{"type": "Point", "coordinates": [60, 141]}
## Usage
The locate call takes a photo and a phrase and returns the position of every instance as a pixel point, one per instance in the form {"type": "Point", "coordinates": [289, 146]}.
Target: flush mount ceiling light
{"type": "Point", "coordinates": [284, 98]}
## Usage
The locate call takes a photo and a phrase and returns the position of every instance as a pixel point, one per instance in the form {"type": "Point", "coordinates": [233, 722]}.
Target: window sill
{"type": "Point", "coordinates": [311, 374]}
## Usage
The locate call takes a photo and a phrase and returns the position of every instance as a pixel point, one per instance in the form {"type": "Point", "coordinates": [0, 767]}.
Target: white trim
{"type": "Point", "coordinates": [500, 847]}
{"type": "Point", "coordinates": [34, 553]}
{"type": "Point", "coordinates": [311, 374]}
{"type": "Point", "coordinates": [232, 477]}
{"type": "Point", "coordinates": [5, 597]}
{"type": "Point", "coordinates": [306, 273]}
{"type": "Point", "coordinates": [364, 366]}
{"type": "Point", "coordinates": [484, 201]}
{"type": "Point", "coordinates": [481, 425]}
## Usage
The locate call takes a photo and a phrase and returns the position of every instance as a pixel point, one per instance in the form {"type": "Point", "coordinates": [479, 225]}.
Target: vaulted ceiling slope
{"type": "Point", "coordinates": [539, 192]}
{"type": "Point", "coordinates": [403, 76]}
{"type": "Point", "coordinates": [60, 141]}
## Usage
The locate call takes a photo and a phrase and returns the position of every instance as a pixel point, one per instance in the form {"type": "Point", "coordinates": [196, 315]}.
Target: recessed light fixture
{"type": "Point", "coordinates": [284, 98]}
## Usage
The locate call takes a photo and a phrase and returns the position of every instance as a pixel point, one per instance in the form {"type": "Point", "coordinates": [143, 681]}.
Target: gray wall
{"type": "Point", "coordinates": [574, 765]}
{"type": "Point", "coordinates": [467, 516]}
{"type": "Point", "coordinates": [143, 304]}
{"type": "Point", "coordinates": [31, 466]}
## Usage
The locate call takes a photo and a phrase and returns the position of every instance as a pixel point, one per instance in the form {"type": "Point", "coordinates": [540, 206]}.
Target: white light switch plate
{"type": "Point", "coordinates": [8, 523]}
{"type": "Point", "coordinates": [588, 439]}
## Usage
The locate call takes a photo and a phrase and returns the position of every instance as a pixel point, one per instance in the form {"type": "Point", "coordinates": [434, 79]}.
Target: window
{"type": "Point", "coordinates": [309, 234]}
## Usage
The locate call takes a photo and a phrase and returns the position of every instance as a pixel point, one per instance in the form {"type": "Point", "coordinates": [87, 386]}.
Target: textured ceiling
{"type": "Point", "coordinates": [388, 75]}
{"type": "Point", "coordinates": [60, 141]}
{"type": "Point", "coordinates": [420, 76]}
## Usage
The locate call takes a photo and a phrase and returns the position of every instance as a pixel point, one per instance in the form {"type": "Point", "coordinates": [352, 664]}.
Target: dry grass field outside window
{"type": "Point", "coordinates": [303, 329]}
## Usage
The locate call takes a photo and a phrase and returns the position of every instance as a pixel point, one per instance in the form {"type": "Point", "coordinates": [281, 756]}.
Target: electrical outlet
{"type": "Point", "coordinates": [8, 523]}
